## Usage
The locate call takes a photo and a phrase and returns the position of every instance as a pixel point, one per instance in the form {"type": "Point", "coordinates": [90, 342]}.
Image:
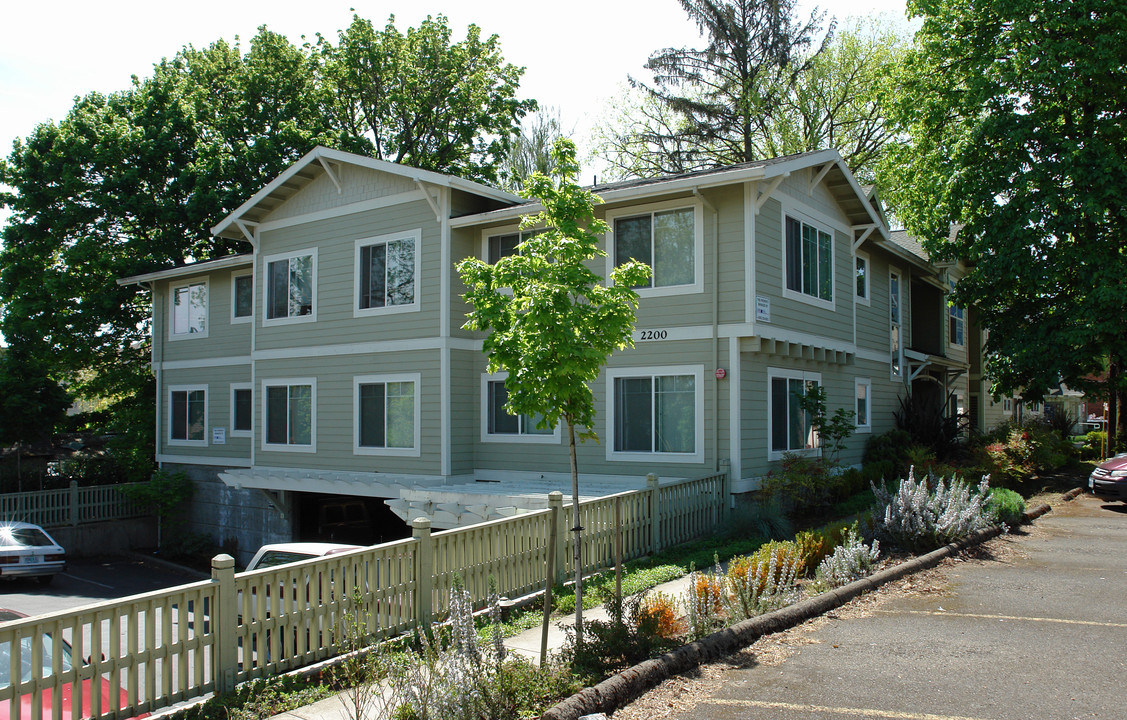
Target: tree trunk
{"type": "Point", "coordinates": [577, 555]}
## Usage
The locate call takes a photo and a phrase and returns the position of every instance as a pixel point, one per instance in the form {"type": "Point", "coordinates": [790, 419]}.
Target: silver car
{"type": "Point", "coordinates": [27, 550]}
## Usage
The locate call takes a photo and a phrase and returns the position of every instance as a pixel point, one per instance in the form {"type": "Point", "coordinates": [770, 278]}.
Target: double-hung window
{"type": "Point", "coordinates": [956, 323]}
{"type": "Point", "coordinates": [291, 291]}
{"type": "Point", "coordinates": [498, 425]}
{"type": "Point", "coordinates": [791, 428]}
{"type": "Point", "coordinates": [189, 310]}
{"type": "Point", "coordinates": [387, 272]}
{"type": "Point", "coordinates": [387, 414]}
{"type": "Point", "coordinates": [669, 240]}
{"type": "Point", "coordinates": [242, 298]}
{"type": "Point", "coordinates": [863, 390]}
{"type": "Point", "coordinates": [809, 260]}
{"type": "Point", "coordinates": [894, 324]}
{"type": "Point", "coordinates": [656, 412]}
{"type": "Point", "coordinates": [505, 244]}
{"type": "Point", "coordinates": [187, 415]}
{"type": "Point", "coordinates": [861, 266]}
{"type": "Point", "coordinates": [242, 410]}
{"type": "Point", "coordinates": [289, 410]}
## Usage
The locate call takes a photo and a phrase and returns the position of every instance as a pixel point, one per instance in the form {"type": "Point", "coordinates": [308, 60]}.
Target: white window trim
{"type": "Point", "coordinates": [241, 433]}
{"type": "Point", "coordinates": [867, 383]}
{"type": "Point", "coordinates": [268, 321]}
{"type": "Point", "coordinates": [866, 298]}
{"type": "Point", "coordinates": [172, 288]}
{"type": "Point", "coordinates": [278, 447]}
{"type": "Point", "coordinates": [235, 320]}
{"type": "Point", "coordinates": [900, 301]}
{"type": "Point", "coordinates": [963, 320]}
{"type": "Point", "coordinates": [810, 216]}
{"type": "Point", "coordinates": [697, 286]}
{"type": "Point", "coordinates": [486, 437]}
{"type": "Point", "coordinates": [697, 371]}
{"type": "Point", "coordinates": [789, 374]}
{"type": "Point", "coordinates": [206, 415]}
{"type": "Point", "coordinates": [357, 381]}
{"type": "Point", "coordinates": [416, 236]}
{"type": "Point", "coordinates": [483, 248]}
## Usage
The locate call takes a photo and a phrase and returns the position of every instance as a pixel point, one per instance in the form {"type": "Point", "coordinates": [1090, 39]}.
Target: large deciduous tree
{"type": "Point", "coordinates": [552, 323]}
{"type": "Point", "coordinates": [1015, 113]}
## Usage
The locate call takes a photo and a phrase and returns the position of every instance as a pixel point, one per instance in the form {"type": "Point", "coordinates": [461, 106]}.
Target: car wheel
{"type": "Point", "coordinates": [46, 579]}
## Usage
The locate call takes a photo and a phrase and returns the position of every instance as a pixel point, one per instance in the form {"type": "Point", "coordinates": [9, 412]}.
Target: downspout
{"type": "Point", "coordinates": [715, 323]}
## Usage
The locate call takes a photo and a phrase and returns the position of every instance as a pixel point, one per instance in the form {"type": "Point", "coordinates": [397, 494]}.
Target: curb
{"type": "Point", "coordinates": [619, 689]}
{"type": "Point", "coordinates": [1072, 494]}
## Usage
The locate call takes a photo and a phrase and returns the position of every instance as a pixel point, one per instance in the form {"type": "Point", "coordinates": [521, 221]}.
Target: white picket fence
{"type": "Point", "coordinates": [153, 650]}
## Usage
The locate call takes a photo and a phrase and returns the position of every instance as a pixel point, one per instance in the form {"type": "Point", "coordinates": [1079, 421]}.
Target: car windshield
{"type": "Point", "coordinates": [25, 659]}
{"type": "Point", "coordinates": [273, 558]}
{"type": "Point", "coordinates": [23, 537]}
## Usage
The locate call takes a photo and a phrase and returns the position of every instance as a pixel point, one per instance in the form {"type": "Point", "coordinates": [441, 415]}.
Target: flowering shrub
{"type": "Point", "coordinates": [1017, 451]}
{"type": "Point", "coordinates": [919, 519]}
{"type": "Point", "coordinates": [852, 560]}
{"type": "Point", "coordinates": [659, 611]}
{"type": "Point", "coordinates": [760, 584]}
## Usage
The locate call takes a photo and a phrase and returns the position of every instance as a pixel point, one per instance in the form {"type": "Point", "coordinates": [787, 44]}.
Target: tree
{"type": "Point", "coordinates": [531, 149]}
{"type": "Point", "coordinates": [423, 100]}
{"type": "Point", "coordinates": [1015, 135]}
{"type": "Point", "coordinates": [31, 403]}
{"type": "Point", "coordinates": [551, 324]}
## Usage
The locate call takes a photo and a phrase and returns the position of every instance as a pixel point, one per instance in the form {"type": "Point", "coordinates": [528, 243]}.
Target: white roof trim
{"type": "Point", "coordinates": [189, 269]}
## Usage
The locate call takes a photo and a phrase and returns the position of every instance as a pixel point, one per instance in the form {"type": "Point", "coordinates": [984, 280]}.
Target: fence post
{"type": "Point", "coordinates": [655, 512]}
{"type": "Point", "coordinates": [726, 490]}
{"type": "Point", "coordinates": [73, 503]}
{"type": "Point", "coordinates": [555, 503]}
{"type": "Point", "coordinates": [424, 572]}
{"type": "Point", "coordinates": [224, 622]}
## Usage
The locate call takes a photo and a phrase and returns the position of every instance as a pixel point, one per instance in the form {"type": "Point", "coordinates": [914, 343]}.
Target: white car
{"type": "Point", "coordinates": [27, 550]}
{"type": "Point", "coordinates": [285, 553]}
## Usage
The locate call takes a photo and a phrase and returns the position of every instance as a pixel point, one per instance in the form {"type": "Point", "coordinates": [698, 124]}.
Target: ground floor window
{"type": "Point", "coordinates": [289, 413]}
{"type": "Point", "coordinates": [863, 388]}
{"type": "Point", "coordinates": [500, 422]}
{"type": "Point", "coordinates": [187, 415]}
{"type": "Point", "coordinates": [657, 411]}
{"type": "Point", "coordinates": [386, 414]}
{"type": "Point", "coordinates": [790, 428]}
{"type": "Point", "coordinates": [241, 410]}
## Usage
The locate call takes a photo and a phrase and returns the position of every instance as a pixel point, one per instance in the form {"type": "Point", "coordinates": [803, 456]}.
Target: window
{"type": "Point", "coordinates": [863, 391]}
{"type": "Point", "coordinates": [809, 260]}
{"type": "Point", "coordinates": [1007, 405]}
{"type": "Point", "coordinates": [956, 322]}
{"type": "Point", "coordinates": [187, 415]}
{"type": "Point", "coordinates": [387, 272]}
{"type": "Point", "coordinates": [288, 410]}
{"type": "Point", "coordinates": [504, 245]}
{"type": "Point", "coordinates": [656, 411]}
{"type": "Point", "coordinates": [387, 414]}
{"type": "Point", "coordinates": [242, 410]}
{"type": "Point", "coordinates": [861, 266]}
{"type": "Point", "coordinates": [242, 298]}
{"type": "Point", "coordinates": [189, 310]}
{"type": "Point", "coordinates": [894, 324]}
{"type": "Point", "coordinates": [668, 239]}
{"type": "Point", "coordinates": [1034, 407]}
{"type": "Point", "coordinates": [290, 286]}
{"type": "Point", "coordinates": [790, 428]}
{"type": "Point", "coordinates": [499, 426]}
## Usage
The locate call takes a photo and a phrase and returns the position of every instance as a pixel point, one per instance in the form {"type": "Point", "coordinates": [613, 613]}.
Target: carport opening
{"type": "Point", "coordinates": [346, 519]}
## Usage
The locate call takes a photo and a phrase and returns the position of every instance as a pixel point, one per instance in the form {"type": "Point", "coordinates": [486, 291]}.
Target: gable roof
{"type": "Point", "coordinates": [315, 163]}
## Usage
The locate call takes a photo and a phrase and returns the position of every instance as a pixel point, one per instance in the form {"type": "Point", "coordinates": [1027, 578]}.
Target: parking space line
{"type": "Point", "coordinates": [86, 580]}
{"type": "Point", "coordinates": [859, 712]}
{"type": "Point", "coordinates": [1062, 621]}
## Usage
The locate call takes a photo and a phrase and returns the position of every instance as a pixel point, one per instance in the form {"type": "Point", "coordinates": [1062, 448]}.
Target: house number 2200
{"type": "Point", "coordinates": [653, 334]}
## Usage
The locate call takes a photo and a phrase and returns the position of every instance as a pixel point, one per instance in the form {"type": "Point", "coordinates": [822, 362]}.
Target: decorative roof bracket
{"type": "Point", "coordinates": [329, 171]}
{"type": "Point", "coordinates": [762, 198]}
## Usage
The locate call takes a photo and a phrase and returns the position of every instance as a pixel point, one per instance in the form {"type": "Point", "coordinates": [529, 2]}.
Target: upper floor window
{"type": "Point", "coordinates": [387, 414]}
{"type": "Point", "coordinates": [790, 427]}
{"type": "Point", "coordinates": [809, 260]}
{"type": "Point", "coordinates": [187, 415]}
{"type": "Point", "coordinates": [863, 390]}
{"type": "Point", "coordinates": [242, 297]}
{"type": "Point", "coordinates": [668, 239]}
{"type": "Point", "coordinates": [289, 414]}
{"type": "Point", "coordinates": [894, 324]}
{"type": "Point", "coordinates": [290, 286]}
{"type": "Point", "coordinates": [656, 411]}
{"type": "Point", "coordinates": [956, 323]}
{"type": "Point", "coordinates": [862, 277]}
{"type": "Point", "coordinates": [242, 410]}
{"type": "Point", "coordinates": [387, 272]}
{"type": "Point", "coordinates": [189, 309]}
{"type": "Point", "coordinates": [501, 426]}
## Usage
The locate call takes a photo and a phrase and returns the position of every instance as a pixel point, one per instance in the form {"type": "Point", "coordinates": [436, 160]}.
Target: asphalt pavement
{"type": "Point", "coordinates": [1039, 631]}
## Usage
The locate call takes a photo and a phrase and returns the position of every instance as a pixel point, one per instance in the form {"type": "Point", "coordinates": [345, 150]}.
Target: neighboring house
{"type": "Point", "coordinates": [330, 359]}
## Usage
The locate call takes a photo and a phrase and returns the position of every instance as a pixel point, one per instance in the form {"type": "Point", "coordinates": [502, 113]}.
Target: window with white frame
{"type": "Point", "coordinates": [665, 239]}
{"type": "Point", "coordinates": [894, 324]}
{"type": "Point", "coordinates": [387, 272]}
{"type": "Point", "coordinates": [861, 268]}
{"type": "Point", "coordinates": [242, 297]}
{"type": "Point", "coordinates": [956, 322]}
{"type": "Point", "coordinates": [498, 425]}
{"type": "Point", "coordinates": [809, 260]}
{"type": "Point", "coordinates": [242, 409]}
{"type": "Point", "coordinates": [290, 286]}
{"type": "Point", "coordinates": [863, 392]}
{"type": "Point", "coordinates": [505, 244]}
{"type": "Point", "coordinates": [657, 412]}
{"type": "Point", "coordinates": [790, 428]}
{"type": "Point", "coordinates": [387, 414]}
{"type": "Point", "coordinates": [1007, 405]}
{"type": "Point", "coordinates": [289, 412]}
{"type": "Point", "coordinates": [187, 415]}
{"type": "Point", "coordinates": [189, 309]}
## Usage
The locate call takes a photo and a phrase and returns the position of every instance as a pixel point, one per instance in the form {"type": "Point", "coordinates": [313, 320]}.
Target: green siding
{"type": "Point", "coordinates": [224, 338]}
{"type": "Point", "coordinates": [218, 381]}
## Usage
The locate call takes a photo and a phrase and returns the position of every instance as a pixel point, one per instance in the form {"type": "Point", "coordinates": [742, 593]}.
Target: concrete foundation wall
{"type": "Point", "coordinates": [106, 538]}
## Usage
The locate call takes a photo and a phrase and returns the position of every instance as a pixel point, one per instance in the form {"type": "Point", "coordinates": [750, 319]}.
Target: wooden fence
{"type": "Point", "coordinates": [146, 652]}
{"type": "Point", "coordinates": [72, 505]}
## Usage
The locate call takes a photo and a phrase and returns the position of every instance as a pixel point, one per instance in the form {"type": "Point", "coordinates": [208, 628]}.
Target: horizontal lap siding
{"type": "Point", "coordinates": [218, 381]}
{"type": "Point", "coordinates": [224, 338]}
{"type": "Point", "coordinates": [465, 367]}
{"type": "Point", "coordinates": [733, 288]}
{"type": "Point", "coordinates": [873, 320]}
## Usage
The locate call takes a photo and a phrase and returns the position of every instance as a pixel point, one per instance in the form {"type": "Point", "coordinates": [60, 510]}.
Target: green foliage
{"type": "Point", "coordinates": [921, 516]}
{"type": "Point", "coordinates": [1095, 444]}
{"type": "Point", "coordinates": [802, 485]}
{"type": "Point", "coordinates": [1013, 133]}
{"type": "Point", "coordinates": [1007, 506]}
{"type": "Point", "coordinates": [832, 431]}
{"type": "Point", "coordinates": [888, 454]}
{"type": "Point", "coordinates": [531, 150]}
{"type": "Point", "coordinates": [261, 698]}
{"type": "Point", "coordinates": [166, 494]}
{"type": "Point", "coordinates": [629, 637]}
{"type": "Point", "coordinates": [31, 403]}
{"type": "Point", "coordinates": [1014, 452]}
{"type": "Point", "coordinates": [930, 425]}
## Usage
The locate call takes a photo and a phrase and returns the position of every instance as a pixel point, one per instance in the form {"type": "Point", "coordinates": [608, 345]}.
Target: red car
{"type": "Point", "coordinates": [69, 712]}
{"type": "Point", "coordinates": [1109, 480]}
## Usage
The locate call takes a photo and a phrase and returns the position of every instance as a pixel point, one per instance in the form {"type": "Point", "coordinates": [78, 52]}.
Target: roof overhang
{"type": "Point", "coordinates": [918, 362]}
{"type": "Point", "coordinates": [230, 261]}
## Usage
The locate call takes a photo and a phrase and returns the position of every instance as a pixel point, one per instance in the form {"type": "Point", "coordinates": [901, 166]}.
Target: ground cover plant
{"type": "Point", "coordinates": [921, 515]}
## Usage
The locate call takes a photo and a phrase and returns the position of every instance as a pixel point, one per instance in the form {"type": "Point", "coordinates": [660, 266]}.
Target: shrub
{"type": "Point", "coordinates": [784, 553]}
{"type": "Point", "coordinates": [705, 596]}
{"type": "Point", "coordinates": [1015, 451]}
{"type": "Point", "coordinates": [626, 639]}
{"type": "Point", "coordinates": [917, 519]}
{"type": "Point", "coordinates": [1006, 505]}
{"type": "Point", "coordinates": [852, 560]}
{"type": "Point", "coordinates": [802, 485]}
{"type": "Point", "coordinates": [1095, 444]}
{"type": "Point", "coordinates": [660, 611]}
{"type": "Point", "coordinates": [887, 455]}
{"type": "Point", "coordinates": [813, 546]}
{"type": "Point", "coordinates": [762, 585]}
